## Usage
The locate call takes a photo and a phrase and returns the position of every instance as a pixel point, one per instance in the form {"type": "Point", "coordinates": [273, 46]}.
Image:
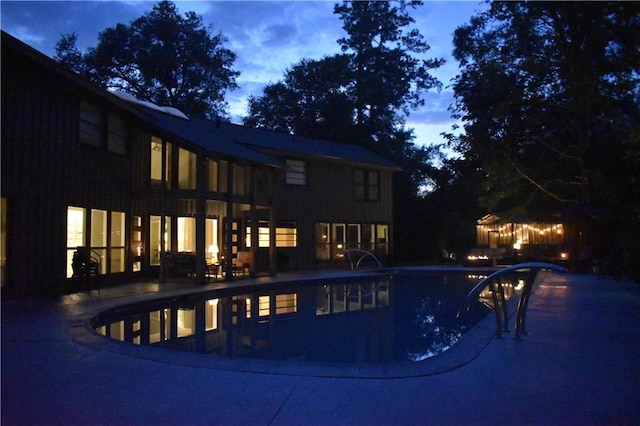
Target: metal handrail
{"type": "Point", "coordinates": [366, 253]}
{"type": "Point", "coordinates": [497, 292]}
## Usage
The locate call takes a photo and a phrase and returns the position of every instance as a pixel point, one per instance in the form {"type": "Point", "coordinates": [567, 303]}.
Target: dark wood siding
{"type": "Point", "coordinates": [45, 169]}
{"type": "Point", "coordinates": [328, 197]}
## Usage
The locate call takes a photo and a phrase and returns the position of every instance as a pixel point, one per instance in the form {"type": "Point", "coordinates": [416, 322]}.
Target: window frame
{"type": "Point", "coordinates": [91, 124]}
{"type": "Point", "coordinates": [297, 173]}
{"type": "Point", "coordinates": [366, 185]}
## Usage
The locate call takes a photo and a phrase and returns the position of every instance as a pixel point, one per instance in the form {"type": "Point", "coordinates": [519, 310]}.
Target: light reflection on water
{"type": "Point", "coordinates": [382, 319]}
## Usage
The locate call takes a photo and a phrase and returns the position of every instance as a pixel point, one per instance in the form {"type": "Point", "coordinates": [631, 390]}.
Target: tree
{"type": "Point", "coordinates": [363, 95]}
{"type": "Point", "coordinates": [162, 57]}
{"type": "Point", "coordinates": [311, 101]}
{"type": "Point", "coordinates": [550, 95]}
{"type": "Point", "coordinates": [387, 75]}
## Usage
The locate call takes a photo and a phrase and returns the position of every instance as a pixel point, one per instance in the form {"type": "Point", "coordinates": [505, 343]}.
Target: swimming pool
{"type": "Point", "coordinates": [373, 318]}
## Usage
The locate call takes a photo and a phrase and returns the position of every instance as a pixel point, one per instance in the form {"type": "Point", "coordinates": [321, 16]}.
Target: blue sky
{"type": "Point", "coordinates": [267, 37]}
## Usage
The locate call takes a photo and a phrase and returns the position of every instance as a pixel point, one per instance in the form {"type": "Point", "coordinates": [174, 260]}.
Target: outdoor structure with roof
{"type": "Point", "coordinates": [501, 240]}
{"type": "Point", "coordinates": [146, 190]}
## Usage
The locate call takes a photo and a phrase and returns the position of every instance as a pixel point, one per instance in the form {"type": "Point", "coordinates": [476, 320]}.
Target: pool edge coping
{"type": "Point", "coordinates": [466, 349]}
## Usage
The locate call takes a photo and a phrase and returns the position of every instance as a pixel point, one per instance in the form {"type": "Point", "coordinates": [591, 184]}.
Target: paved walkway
{"type": "Point", "coordinates": [579, 364]}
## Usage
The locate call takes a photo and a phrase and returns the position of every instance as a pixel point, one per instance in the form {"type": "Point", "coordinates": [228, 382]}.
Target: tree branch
{"type": "Point", "coordinates": [537, 185]}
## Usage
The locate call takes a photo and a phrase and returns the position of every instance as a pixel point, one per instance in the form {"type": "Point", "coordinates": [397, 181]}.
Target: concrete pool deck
{"type": "Point", "coordinates": [578, 364]}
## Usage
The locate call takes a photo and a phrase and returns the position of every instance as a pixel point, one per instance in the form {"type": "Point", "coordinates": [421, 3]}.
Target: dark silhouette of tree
{"type": "Point", "coordinates": [363, 95]}
{"type": "Point", "coordinates": [387, 77]}
{"type": "Point", "coordinates": [311, 101]}
{"type": "Point", "coordinates": [549, 93]}
{"type": "Point", "coordinates": [163, 57]}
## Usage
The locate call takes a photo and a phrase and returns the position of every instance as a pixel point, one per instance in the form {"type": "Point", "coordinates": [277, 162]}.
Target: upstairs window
{"type": "Point", "coordinates": [91, 124]}
{"type": "Point", "coordinates": [296, 172]}
{"type": "Point", "coordinates": [367, 185]}
{"type": "Point", "coordinates": [97, 127]}
{"type": "Point", "coordinates": [240, 180]}
{"type": "Point", "coordinates": [160, 170]}
{"type": "Point", "coordinates": [213, 175]}
{"type": "Point", "coordinates": [117, 135]}
{"type": "Point", "coordinates": [186, 169]}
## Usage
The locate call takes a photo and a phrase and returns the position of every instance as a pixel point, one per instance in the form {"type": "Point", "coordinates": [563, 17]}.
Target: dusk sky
{"type": "Point", "coordinates": [267, 37]}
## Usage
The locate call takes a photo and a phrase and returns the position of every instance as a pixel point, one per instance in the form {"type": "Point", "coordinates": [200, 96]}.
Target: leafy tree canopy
{"type": "Point", "coordinates": [161, 56]}
{"type": "Point", "coordinates": [311, 100]}
{"type": "Point", "coordinates": [549, 93]}
{"type": "Point", "coordinates": [362, 95]}
{"type": "Point", "coordinates": [387, 75]}
{"type": "Point", "coordinates": [550, 97]}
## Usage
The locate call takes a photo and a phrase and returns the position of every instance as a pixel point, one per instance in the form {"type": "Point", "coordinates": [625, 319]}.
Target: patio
{"type": "Point", "coordinates": [578, 364]}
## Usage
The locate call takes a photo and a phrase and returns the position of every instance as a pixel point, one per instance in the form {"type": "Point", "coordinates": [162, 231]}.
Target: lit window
{"type": "Point", "coordinates": [296, 172]}
{"type": "Point", "coordinates": [186, 169]}
{"type": "Point", "coordinates": [186, 234]}
{"type": "Point", "coordinates": [263, 237]}
{"type": "Point", "coordinates": [160, 172]}
{"type": "Point", "coordinates": [156, 236]}
{"type": "Point", "coordinates": [286, 303]}
{"type": "Point", "coordinates": [286, 237]}
{"type": "Point", "coordinates": [117, 259]}
{"type": "Point", "coordinates": [263, 306]}
{"type": "Point", "coordinates": [108, 249]}
{"type": "Point", "coordinates": [75, 234]}
{"type": "Point", "coordinates": [99, 236]}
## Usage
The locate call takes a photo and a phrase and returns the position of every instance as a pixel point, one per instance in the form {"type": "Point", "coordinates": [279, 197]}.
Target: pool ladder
{"type": "Point", "coordinates": [365, 253]}
{"type": "Point", "coordinates": [496, 288]}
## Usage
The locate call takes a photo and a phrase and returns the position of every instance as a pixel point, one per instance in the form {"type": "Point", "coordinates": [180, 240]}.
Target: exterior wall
{"type": "Point", "coordinates": [329, 196]}
{"type": "Point", "coordinates": [45, 169]}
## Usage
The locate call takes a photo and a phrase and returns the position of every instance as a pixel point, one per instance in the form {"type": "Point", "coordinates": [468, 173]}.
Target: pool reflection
{"type": "Point", "coordinates": [379, 320]}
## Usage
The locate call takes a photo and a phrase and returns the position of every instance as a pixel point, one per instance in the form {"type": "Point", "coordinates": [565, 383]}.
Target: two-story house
{"type": "Point", "coordinates": [136, 185]}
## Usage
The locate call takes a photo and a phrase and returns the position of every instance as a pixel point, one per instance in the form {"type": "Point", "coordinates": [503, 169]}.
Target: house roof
{"type": "Point", "coordinates": [204, 134]}
{"type": "Point", "coordinates": [228, 139]}
{"type": "Point", "coordinates": [268, 140]}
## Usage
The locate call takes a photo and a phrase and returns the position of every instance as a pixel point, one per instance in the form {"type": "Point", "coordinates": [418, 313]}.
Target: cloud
{"type": "Point", "coordinates": [47, 21]}
{"type": "Point", "coordinates": [267, 36]}
{"type": "Point", "coordinates": [279, 35]}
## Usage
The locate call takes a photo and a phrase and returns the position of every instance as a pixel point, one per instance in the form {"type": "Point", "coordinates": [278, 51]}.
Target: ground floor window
{"type": "Point", "coordinates": [117, 245]}
{"type": "Point", "coordinates": [186, 234]}
{"type": "Point", "coordinates": [286, 235]}
{"type": "Point", "coordinates": [211, 241]}
{"type": "Point", "coordinates": [332, 239]}
{"type": "Point", "coordinates": [102, 232]}
{"type": "Point", "coordinates": [137, 244]}
{"type": "Point", "coordinates": [158, 237]}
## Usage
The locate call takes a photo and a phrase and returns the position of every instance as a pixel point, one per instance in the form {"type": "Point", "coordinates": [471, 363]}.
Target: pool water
{"type": "Point", "coordinates": [382, 318]}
